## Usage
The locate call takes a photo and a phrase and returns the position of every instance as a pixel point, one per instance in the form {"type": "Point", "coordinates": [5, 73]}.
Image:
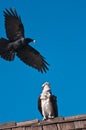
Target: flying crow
{"type": "Point", "coordinates": [17, 44]}
{"type": "Point", "coordinates": [47, 103]}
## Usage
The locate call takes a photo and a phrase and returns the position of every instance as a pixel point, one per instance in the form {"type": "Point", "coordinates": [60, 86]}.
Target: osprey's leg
{"type": "Point", "coordinates": [44, 116]}
{"type": "Point", "coordinates": [50, 116]}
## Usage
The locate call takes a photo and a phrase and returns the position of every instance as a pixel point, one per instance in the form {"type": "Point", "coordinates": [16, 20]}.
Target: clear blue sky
{"type": "Point", "coordinates": [59, 26]}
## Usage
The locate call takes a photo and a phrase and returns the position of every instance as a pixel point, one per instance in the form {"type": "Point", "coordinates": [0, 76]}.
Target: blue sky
{"type": "Point", "coordinates": [59, 28]}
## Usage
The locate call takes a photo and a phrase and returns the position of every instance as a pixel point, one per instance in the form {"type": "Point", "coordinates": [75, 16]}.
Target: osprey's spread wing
{"type": "Point", "coordinates": [13, 25]}
{"type": "Point", "coordinates": [32, 57]}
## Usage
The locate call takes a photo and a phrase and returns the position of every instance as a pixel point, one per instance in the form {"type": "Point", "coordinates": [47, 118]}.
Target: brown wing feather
{"type": "Point", "coordinates": [4, 53]}
{"type": "Point", "coordinates": [32, 58]}
{"type": "Point", "coordinates": [39, 105]}
{"type": "Point", "coordinates": [54, 104]}
{"type": "Point", "coordinates": [13, 25]}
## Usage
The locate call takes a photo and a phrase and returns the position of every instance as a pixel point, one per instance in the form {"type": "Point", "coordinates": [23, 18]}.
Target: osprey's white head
{"type": "Point", "coordinates": [46, 87]}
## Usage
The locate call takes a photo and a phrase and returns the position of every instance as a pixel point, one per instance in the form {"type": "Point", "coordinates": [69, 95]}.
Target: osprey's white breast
{"type": "Point", "coordinates": [47, 110]}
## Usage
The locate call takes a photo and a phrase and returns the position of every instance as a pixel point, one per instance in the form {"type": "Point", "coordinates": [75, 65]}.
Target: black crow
{"type": "Point", "coordinates": [17, 44]}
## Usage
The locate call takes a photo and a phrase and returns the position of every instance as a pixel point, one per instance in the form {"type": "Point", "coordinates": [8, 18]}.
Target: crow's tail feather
{"type": "Point", "coordinates": [4, 52]}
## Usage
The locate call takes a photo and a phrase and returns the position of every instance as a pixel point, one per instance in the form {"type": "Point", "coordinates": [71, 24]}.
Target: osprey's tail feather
{"type": "Point", "coordinates": [4, 52]}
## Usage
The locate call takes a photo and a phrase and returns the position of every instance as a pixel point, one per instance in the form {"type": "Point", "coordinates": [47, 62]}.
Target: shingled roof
{"type": "Point", "coordinates": [59, 123]}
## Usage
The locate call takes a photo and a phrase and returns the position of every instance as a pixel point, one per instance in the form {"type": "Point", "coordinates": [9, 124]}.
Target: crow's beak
{"type": "Point", "coordinates": [34, 41]}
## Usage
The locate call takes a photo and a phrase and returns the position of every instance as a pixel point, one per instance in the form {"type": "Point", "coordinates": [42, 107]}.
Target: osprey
{"type": "Point", "coordinates": [47, 104]}
{"type": "Point", "coordinates": [17, 44]}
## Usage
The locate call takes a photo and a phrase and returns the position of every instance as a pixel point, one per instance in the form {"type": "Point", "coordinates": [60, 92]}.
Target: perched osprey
{"type": "Point", "coordinates": [47, 103]}
{"type": "Point", "coordinates": [17, 44]}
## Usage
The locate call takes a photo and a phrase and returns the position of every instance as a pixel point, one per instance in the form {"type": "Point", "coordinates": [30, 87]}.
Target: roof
{"type": "Point", "coordinates": [59, 123]}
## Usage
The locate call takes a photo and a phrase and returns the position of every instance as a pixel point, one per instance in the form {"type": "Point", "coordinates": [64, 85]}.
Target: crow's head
{"type": "Point", "coordinates": [28, 40]}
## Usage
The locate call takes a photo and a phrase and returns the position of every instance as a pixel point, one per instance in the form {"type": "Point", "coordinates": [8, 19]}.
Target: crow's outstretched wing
{"type": "Point", "coordinates": [32, 58]}
{"type": "Point", "coordinates": [13, 25]}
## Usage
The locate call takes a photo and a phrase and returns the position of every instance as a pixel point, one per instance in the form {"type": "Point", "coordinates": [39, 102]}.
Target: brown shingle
{"type": "Point", "coordinates": [27, 123]}
{"type": "Point", "coordinates": [19, 128]}
{"type": "Point", "coordinates": [50, 127]}
{"type": "Point", "coordinates": [67, 126]}
{"type": "Point", "coordinates": [59, 123]}
{"type": "Point", "coordinates": [9, 124]}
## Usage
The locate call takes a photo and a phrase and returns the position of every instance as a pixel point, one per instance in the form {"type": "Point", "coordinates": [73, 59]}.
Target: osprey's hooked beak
{"type": "Point", "coordinates": [46, 83]}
